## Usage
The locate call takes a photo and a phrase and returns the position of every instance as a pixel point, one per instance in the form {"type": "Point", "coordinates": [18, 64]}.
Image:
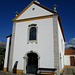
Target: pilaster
{"type": "Point", "coordinates": [56, 44]}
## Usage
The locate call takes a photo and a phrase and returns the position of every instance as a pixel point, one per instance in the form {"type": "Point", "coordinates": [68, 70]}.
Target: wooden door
{"type": "Point", "coordinates": [32, 64]}
{"type": "Point", "coordinates": [72, 61]}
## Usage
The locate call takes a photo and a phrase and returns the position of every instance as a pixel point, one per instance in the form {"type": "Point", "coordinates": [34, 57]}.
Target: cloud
{"type": "Point", "coordinates": [70, 44]}
{"type": "Point", "coordinates": [72, 41]}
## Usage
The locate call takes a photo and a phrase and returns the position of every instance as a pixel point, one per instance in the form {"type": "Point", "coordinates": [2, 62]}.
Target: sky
{"type": "Point", "coordinates": [65, 8]}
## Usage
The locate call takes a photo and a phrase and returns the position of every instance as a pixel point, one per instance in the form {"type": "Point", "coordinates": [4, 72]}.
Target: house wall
{"type": "Point", "coordinates": [6, 53]}
{"type": "Point", "coordinates": [67, 60]}
{"type": "Point", "coordinates": [44, 46]}
{"type": "Point", "coordinates": [61, 48]}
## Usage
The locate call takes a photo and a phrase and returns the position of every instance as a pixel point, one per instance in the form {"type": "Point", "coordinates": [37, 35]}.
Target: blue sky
{"type": "Point", "coordinates": [65, 8]}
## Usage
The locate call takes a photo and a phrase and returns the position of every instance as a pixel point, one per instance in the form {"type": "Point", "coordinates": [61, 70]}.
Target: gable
{"type": "Point", "coordinates": [34, 9]}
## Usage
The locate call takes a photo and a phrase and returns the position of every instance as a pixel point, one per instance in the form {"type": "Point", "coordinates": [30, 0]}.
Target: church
{"type": "Point", "coordinates": [37, 42]}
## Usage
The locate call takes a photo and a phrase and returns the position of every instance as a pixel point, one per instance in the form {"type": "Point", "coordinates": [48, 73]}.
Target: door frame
{"type": "Point", "coordinates": [26, 60]}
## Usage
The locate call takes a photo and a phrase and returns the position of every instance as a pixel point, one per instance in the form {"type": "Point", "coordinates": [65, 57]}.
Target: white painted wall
{"type": "Point", "coordinates": [67, 59]}
{"type": "Point", "coordinates": [44, 44]}
{"type": "Point", "coordinates": [61, 47]}
{"type": "Point", "coordinates": [6, 53]}
{"type": "Point", "coordinates": [29, 13]}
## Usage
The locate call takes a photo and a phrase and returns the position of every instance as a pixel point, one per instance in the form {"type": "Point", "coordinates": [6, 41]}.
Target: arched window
{"type": "Point", "coordinates": [32, 33]}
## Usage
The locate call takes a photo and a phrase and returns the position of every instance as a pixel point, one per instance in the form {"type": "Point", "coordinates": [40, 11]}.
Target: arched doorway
{"type": "Point", "coordinates": [32, 63]}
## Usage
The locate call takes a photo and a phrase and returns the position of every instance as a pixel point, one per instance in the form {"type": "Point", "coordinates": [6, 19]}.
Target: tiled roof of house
{"type": "Point", "coordinates": [69, 52]}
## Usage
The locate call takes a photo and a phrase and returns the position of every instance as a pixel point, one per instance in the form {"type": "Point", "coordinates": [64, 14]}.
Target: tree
{"type": "Point", "coordinates": [2, 54]}
{"type": "Point", "coordinates": [72, 48]}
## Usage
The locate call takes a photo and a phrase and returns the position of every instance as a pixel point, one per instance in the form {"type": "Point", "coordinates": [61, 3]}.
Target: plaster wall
{"type": "Point", "coordinates": [67, 59]}
{"type": "Point", "coordinates": [6, 53]}
{"type": "Point", "coordinates": [44, 46]}
{"type": "Point", "coordinates": [61, 47]}
{"type": "Point", "coordinates": [38, 11]}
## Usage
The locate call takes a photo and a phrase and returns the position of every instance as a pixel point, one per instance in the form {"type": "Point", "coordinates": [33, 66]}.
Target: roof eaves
{"type": "Point", "coordinates": [23, 11]}
{"type": "Point", "coordinates": [45, 8]}
{"type": "Point", "coordinates": [8, 36]}
{"type": "Point", "coordinates": [59, 19]}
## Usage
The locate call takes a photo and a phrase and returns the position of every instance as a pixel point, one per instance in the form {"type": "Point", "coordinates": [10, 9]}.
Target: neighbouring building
{"type": "Point", "coordinates": [69, 57]}
{"type": "Point", "coordinates": [37, 41]}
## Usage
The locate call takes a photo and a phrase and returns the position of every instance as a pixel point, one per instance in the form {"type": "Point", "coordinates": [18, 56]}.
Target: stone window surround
{"type": "Point", "coordinates": [29, 27]}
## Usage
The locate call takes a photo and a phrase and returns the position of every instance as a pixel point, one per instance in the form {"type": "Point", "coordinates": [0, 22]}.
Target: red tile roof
{"type": "Point", "coordinates": [69, 52]}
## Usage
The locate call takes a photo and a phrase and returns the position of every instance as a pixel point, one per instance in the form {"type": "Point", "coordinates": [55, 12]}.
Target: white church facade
{"type": "Point", "coordinates": [37, 41]}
